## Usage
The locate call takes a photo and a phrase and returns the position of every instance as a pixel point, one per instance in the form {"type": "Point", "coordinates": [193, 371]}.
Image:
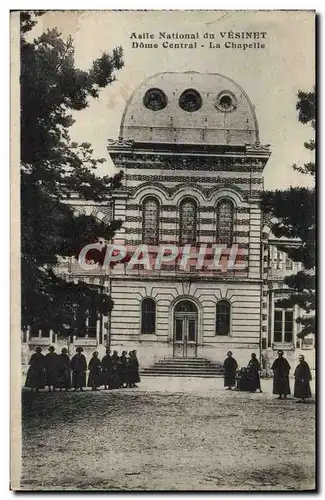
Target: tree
{"type": "Point", "coordinates": [52, 167]}
{"type": "Point", "coordinates": [294, 213]}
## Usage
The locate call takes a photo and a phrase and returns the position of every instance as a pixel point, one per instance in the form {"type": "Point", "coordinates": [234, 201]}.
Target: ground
{"type": "Point", "coordinates": [169, 434]}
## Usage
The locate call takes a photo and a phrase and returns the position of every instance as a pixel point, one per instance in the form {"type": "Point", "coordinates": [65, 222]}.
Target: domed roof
{"type": "Point", "coordinates": [190, 108]}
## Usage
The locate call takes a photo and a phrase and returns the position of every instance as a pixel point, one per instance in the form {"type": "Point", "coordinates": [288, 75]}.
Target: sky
{"type": "Point", "coordinates": [271, 76]}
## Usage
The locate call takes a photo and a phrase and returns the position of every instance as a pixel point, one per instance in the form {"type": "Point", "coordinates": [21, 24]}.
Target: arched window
{"type": "Point", "coordinates": [148, 316]}
{"type": "Point", "coordinates": [150, 221]}
{"type": "Point", "coordinates": [187, 222]}
{"type": "Point", "coordinates": [223, 318]}
{"type": "Point", "coordinates": [225, 222]}
{"type": "Point", "coordinates": [185, 306]}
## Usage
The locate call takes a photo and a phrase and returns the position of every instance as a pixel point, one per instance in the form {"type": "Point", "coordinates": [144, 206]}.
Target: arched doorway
{"type": "Point", "coordinates": [185, 329]}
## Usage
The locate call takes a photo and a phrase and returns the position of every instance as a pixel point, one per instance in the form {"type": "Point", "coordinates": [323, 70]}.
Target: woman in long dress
{"type": "Point", "coordinates": [36, 372]}
{"type": "Point", "coordinates": [254, 369]}
{"type": "Point", "coordinates": [63, 367]}
{"type": "Point", "coordinates": [51, 365]}
{"type": "Point", "coordinates": [134, 376]}
{"type": "Point", "coordinates": [230, 366]}
{"type": "Point", "coordinates": [107, 370]}
{"type": "Point", "coordinates": [124, 370]}
{"type": "Point", "coordinates": [115, 370]}
{"type": "Point", "coordinates": [94, 367]}
{"type": "Point", "coordinates": [281, 369]}
{"type": "Point", "coordinates": [78, 366]}
{"type": "Point", "coordinates": [302, 378]}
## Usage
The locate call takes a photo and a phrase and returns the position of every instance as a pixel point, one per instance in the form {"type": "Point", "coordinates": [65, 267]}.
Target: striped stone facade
{"type": "Point", "coordinates": [158, 165]}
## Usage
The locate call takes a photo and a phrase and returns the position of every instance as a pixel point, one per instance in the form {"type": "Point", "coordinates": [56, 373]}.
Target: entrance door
{"type": "Point", "coordinates": [185, 330]}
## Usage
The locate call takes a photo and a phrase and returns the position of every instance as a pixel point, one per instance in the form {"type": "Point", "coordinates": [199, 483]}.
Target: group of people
{"type": "Point", "coordinates": [58, 371]}
{"type": "Point", "coordinates": [248, 378]}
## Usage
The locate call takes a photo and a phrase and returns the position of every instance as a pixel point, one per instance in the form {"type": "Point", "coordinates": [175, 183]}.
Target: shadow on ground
{"type": "Point", "coordinates": [124, 440]}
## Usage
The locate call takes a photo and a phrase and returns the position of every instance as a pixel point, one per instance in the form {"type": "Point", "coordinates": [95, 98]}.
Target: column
{"type": "Point", "coordinates": [271, 319]}
{"type": "Point", "coordinates": [254, 245]}
{"type": "Point", "coordinates": [119, 213]}
{"type": "Point", "coordinates": [98, 331]}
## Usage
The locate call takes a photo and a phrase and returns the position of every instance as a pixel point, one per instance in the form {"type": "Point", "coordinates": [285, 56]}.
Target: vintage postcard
{"type": "Point", "coordinates": [163, 250]}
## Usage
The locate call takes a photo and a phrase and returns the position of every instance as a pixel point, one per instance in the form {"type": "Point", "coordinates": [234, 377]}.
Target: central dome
{"type": "Point", "coordinates": [190, 108]}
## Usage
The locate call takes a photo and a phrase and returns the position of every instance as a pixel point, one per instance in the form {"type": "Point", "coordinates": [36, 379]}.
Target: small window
{"type": "Point", "coordinates": [289, 264]}
{"type": "Point", "coordinates": [92, 322]}
{"type": "Point", "coordinates": [155, 99]}
{"type": "Point", "coordinates": [277, 326]}
{"type": "Point", "coordinates": [226, 102]}
{"type": "Point", "coordinates": [190, 100]}
{"type": "Point", "coordinates": [225, 222]}
{"type": "Point", "coordinates": [288, 326]}
{"type": "Point", "coordinates": [148, 316]}
{"type": "Point", "coordinates": [223, 318]}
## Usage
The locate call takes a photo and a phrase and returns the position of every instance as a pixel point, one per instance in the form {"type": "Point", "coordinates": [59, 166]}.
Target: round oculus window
{"type": "Point", "coordinates": [190, 100]}
{"type": "Point", "coordinates": [155, 99]}
{"type": "Point", "coordinates": [226, 102]}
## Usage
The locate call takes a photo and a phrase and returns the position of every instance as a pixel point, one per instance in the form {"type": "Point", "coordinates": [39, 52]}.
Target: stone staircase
{"type": "Point", "coordinates": [184, 367]}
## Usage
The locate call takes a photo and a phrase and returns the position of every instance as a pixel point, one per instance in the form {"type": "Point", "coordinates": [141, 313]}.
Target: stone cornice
{"type": "Point", "coordinates": [123, 150]}
{"type": "Point", "coordinates": [210, 163]}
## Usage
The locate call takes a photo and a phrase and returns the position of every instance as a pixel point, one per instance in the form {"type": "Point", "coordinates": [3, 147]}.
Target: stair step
{"type": "Point", "coordinates": [184, 367]}
{"type": "Point", "coordinates": [210, 372]}
{"type": "Point", "coordinates": [164, 367]}
{"type": "Point", "coordinates": [201, 365]}
{"type": "Point", "coordinates": [200, 375]}
{"type": "Point", "coordinates": [187, 360]}
{"type": "Point", "coordinates": [179, 362]}
{"type": "Point", "coordinates": [214, 368]}
{"type": "Point", "coordinates": [190, 364]}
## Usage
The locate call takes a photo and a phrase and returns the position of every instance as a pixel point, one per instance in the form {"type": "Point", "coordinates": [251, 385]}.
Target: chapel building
{"type": "Point", "coordinates": [190, 149]}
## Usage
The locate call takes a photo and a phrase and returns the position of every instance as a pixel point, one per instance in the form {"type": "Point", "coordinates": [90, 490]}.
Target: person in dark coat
{"type": "Point", "coordinates": [129, 373]}
{"type": "Point", "coordinates": [124, 374]}
{"type": "Point", "coordinates": [115, 370]}
{"type": "Point", "coordinates": [94, 367]}
{"type": "Point", "coordinates": [230, 366]}
{"type": "Point", "coordinates": [107, 370]}
{"type": "Point", "coordinates": [253, 369]}
{"type": "Point", "coordinates": [51, 366]}
{"type": "Point", "coordinates": [119, 372]}
{"type": "Point", "coordinates": [36, 372]}
{"type": "Point", "coordinates": [302, 377]}
{"type": "Point", "coordinates": [63, 370]}
{"type": "Point", "coordinates": [78, 366]}
{"type": "Point", "coordinates": [134, 376]}
{"type": "Point", "coordinates": [281, 369]}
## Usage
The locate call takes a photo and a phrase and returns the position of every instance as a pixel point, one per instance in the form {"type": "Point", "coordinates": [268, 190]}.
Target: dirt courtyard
{"type": "Point", "coordinates": [166, 437]}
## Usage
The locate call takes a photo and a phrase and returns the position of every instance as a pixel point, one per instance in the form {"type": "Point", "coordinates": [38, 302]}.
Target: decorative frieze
{"type": "Point", "coordinates": [193, 179]}
{"type": "Point", "coordinates": [175, 220]}
{"type": "Point", "coordinates": [205, 191]}
{"type": "Point", "coordinates": [202, 232]}
{"type": "Point", "coordinates": [206, 162]}
{"type": "Point", "coordinates": [173, 208]}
